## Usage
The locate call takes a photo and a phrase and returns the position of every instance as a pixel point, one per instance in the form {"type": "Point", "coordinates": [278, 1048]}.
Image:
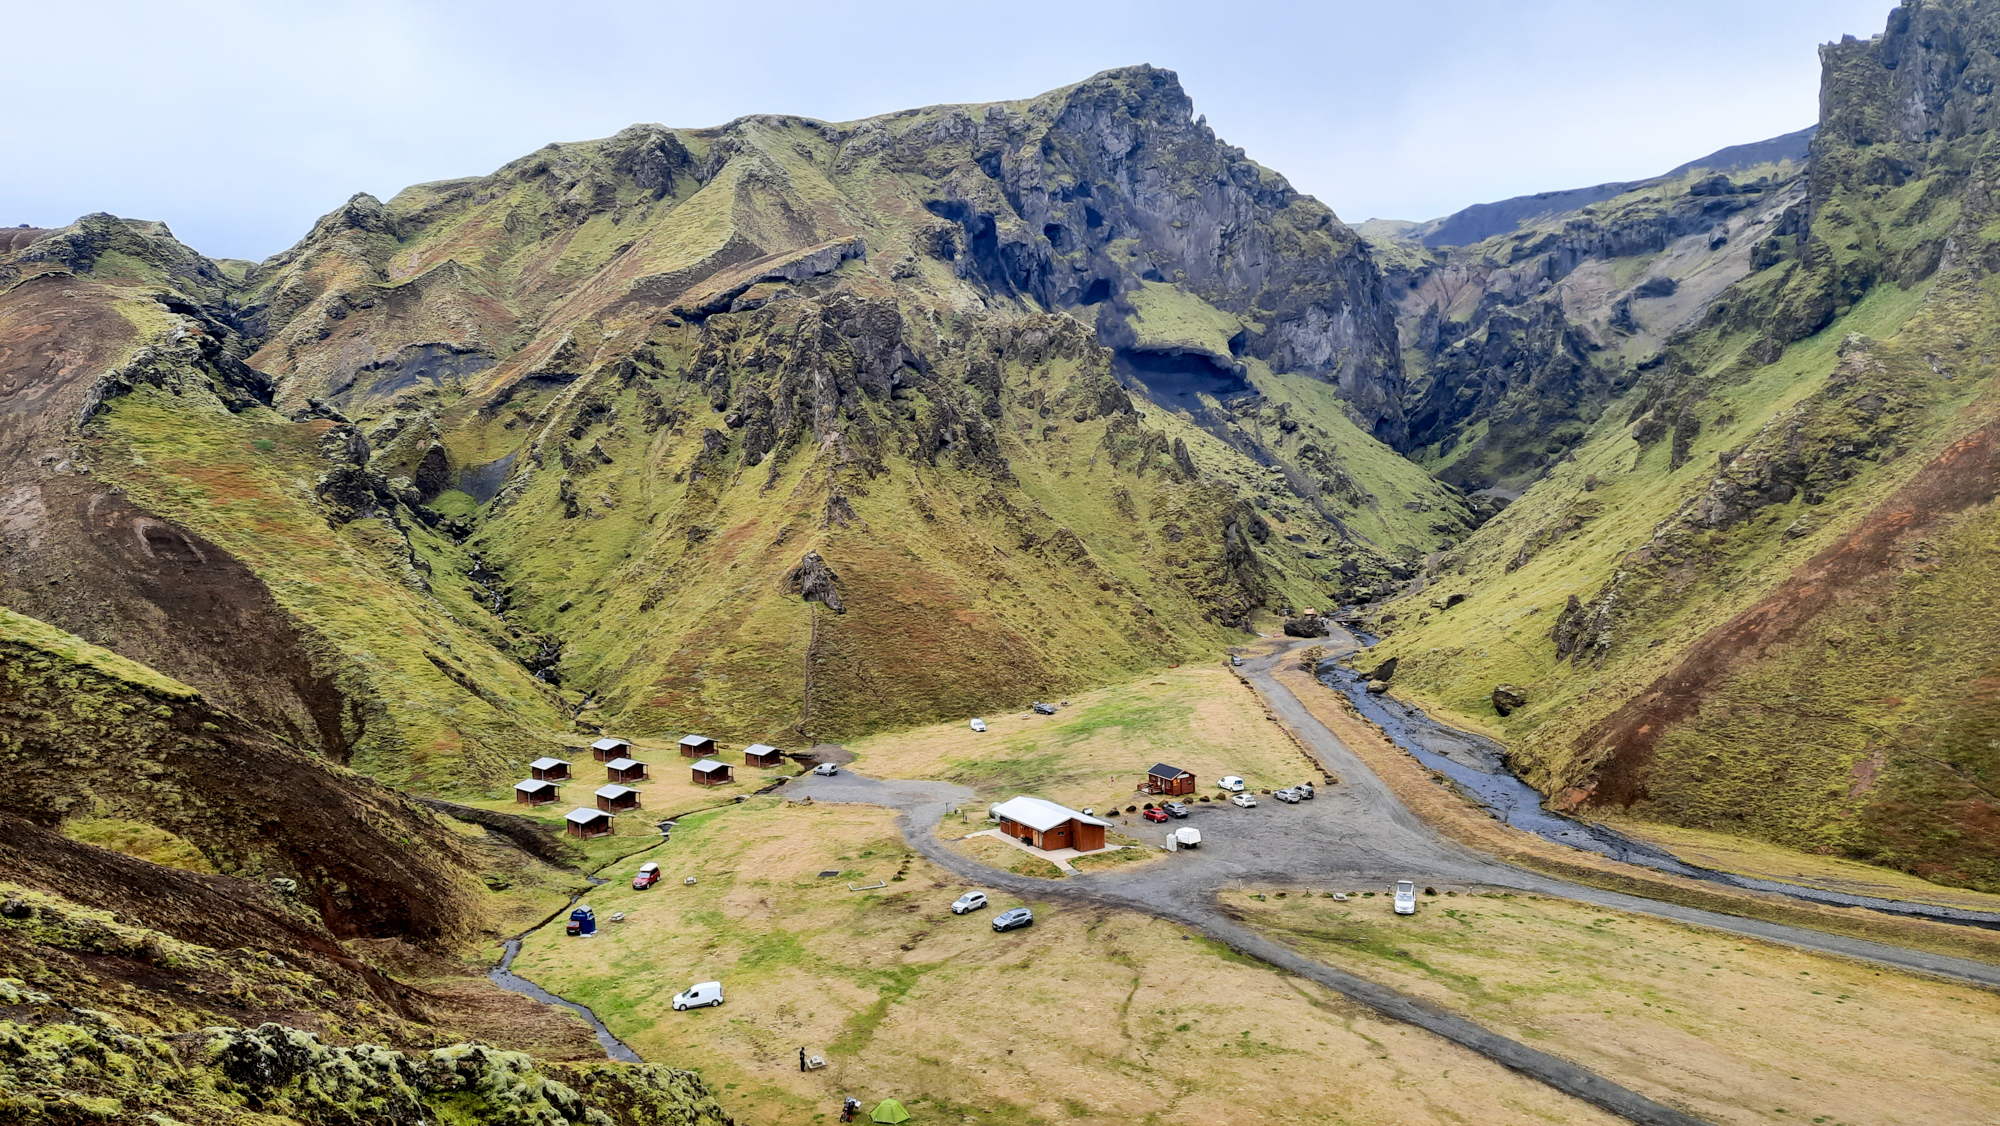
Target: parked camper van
{"type": "Point", "coordinates": [698, 996]}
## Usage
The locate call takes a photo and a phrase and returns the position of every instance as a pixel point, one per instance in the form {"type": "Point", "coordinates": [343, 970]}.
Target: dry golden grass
{"type": "Point", "coordinates": [1089, 1016]}
{"type": "Point", "coordinates": [1096, 751]}
{"type": "Point", "coordinates": [1747, 856]}
{"type": "Point", "coordinates": [1735, 1030]}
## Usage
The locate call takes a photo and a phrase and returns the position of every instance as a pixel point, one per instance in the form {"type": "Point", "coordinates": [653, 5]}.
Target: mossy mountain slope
{"type": "Point", "coordinates": [1054, 389]}
{"type": "Point", "coordinates": [1757, 597]}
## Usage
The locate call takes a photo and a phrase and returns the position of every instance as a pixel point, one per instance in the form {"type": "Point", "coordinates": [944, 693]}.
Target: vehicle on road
{"type": "Point", "coordinates": [1175, 809]}
{"type": "Point", "coordinates": [649, 874]}
{"type": "Point", "coordinates": [970, 901]}
{"type": "Point", "coordinates": [1231, 783]}
{"type": "Point", "coordinates": [1008, 920]}
{"type": "Point", "coordinates": [1044, 709]}
{"type": "Point", "coordinates": [1406, 897]}
{"type": "Point", "coordinates": [1244, 800]}
{"type": "Point", "coordinates": [1155, 815]}
{"type": "Point", "coordinates": [979, 725]}
{"type": "Point", "coordinates": [1288, 796]}
{"type": "Point", "coordinates": [827, 769]}
{"type": "Point", "coordinates": [699, 995]}
{"type": "Point", "coordinates": [1305, 790]}
{"type": "Point", "coordinates": [1187, 837]}
{"type": "Point", "coordinates": [1235, 661]}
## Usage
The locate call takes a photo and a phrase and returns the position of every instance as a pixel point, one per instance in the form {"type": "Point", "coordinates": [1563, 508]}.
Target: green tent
{"type": "Point", "coordinates": [890, 1111]}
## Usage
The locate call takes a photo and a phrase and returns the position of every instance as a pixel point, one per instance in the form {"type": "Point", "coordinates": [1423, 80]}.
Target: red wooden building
{"type": "Point", "coordinates": [1048, 826]}
{"type": "Point", "coordinates": [617, 799]}
{"type": "Point", "coordinates": [1169, 780]}
{"type": "Point", "coordinates": [624, 770]}
{"type": "Point", "coordinates": [536, 791]}
{"type": "Point", "coordinates": [587, 823]}
{"type": "Point", "coordinates": [709, 772]}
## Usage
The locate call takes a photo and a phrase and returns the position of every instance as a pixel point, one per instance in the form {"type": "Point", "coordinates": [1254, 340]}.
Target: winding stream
{"type": "Point", "coordinates": [503, 975]}
{"type": "Point", "coordinates": [1478, 767]}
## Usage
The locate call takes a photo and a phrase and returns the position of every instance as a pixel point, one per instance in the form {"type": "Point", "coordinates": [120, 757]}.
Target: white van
{"type": "Point", "coordinates": [1231, 783]}
{"type": "Point", "coordinates": [1406, 897]}
{"type": "Point", "coordinates": [979, 725]}
{"type": "Point", "coordinates": [699, 995]}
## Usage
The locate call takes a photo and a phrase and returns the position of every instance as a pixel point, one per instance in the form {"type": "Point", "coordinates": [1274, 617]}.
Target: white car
{"type": "Point", "coordinates": [970, 901]}
{"type": "Point", "coordinates": [827, 769]}
{"type": "Point", "coordinates": [1231, 783]}
{"type": "Point", "coordinates": [699, 995]}
{"type": "Point", "coordinates": [1244, 800]}
{"type": "Point", "coordinates": [979, 725]}
{"type": "Point", "coordinates": [1288, 796]}
{"type": "Point", "coordinates": [1406, 897]}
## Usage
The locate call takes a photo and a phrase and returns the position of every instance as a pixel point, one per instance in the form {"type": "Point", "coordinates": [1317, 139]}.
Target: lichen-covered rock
{"type": "Point", "coordinates": [1508, 697]}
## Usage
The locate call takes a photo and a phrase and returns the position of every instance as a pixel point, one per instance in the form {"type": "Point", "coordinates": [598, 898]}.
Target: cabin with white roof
{"type": "Point", "coordinates": [617, 799]}
{"type": "Point", "coordinates": [536, 791]}
{"type": "Point", "coordinates": [697, 746]}
{"type": "Point", "coordinates": [587, 823]}
{"type": "Point", "coordinates": [549, 770]}
{"type": "Point", "coordinates": [709, 772]}
{"type": "Point", "coordinates": [1048, 826]}
{"type": "Point", "coordinates": [763, 754]}
{"type": "Point", "coordinates": [624, 770]}
{"type": "Point", "coordinates": [607, 749]}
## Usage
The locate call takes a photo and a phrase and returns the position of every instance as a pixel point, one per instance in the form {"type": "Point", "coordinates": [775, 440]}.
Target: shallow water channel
{"type": "Point", "coordinates": [1478, 767]}
{"type": "Point", "coordinates": [504, 976]}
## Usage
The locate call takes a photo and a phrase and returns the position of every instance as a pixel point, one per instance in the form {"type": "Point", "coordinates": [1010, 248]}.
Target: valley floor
{"type": "Point", "coordinates": [1115, 1006]}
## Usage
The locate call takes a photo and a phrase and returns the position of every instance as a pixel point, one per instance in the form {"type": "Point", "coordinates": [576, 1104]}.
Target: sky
{"type": "Point", "coordinates": [238, 123]}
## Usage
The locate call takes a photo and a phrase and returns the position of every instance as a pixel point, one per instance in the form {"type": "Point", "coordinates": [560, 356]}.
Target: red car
{"type": "Point", "coordinates": [649, 874]}
{"type": "Point", "coordinates": [1156, 815]}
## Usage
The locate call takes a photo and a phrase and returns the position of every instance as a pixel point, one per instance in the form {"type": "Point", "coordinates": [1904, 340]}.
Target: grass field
{"type": "Point", "coordinates": [1735, 1030]}
{"type": "Point", "coordinates": [1096, 751]}
{"type": "Point", "coordinates": [1089, 1016]}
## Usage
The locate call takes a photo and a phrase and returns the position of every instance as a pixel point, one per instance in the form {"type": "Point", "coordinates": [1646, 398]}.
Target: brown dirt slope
{"type": "Point", "coordinates": [1863, 565]}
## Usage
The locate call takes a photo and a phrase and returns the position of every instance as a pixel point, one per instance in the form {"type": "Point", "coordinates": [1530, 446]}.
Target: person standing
{"type": "Point", "coordinates": [802, 1059]}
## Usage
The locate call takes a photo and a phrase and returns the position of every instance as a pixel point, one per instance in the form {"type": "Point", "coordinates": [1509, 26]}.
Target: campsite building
{"type": "Point", "coordinates": [624, 770]}
{"type": "Point", "coordinates": [587, 823]}
{"type": "Point", "coordinates": [1048, 826]}
{"type": "Point", "coordinates": [549, 770]}
{"type": "Point", "coordinates": [697, 746]}
{"type": "Point", "coordinates": [709, 772]}
{"type": "Point", "coordinates": [535, 791]}
{"type": "Point", "coordinates": [761, 754]}
{"type": "Point", "coordinates": [1169, 780]}
{"type": "Point", "coordinates": [617, 799]}
{"type": "Point", "coordinates": [607, 749]}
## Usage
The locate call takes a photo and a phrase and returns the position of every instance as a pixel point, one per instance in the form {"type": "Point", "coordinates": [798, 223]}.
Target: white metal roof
{"type": "Point", "coordinates": [623, 764]}
{"type": "Point", "coordinates": [533, 784]}
{"type": "Point", "coordinates": [607, 743]}
{"type": "Point", "coordinates": [546, 763]}
{"type": "Point", "coordinates": [1041, 815]}
{"type": "Point", "coordinates": [584, 816]}
{"type": "Point", "coordinates": [695, 740]}
{"type": "Point", "coordinates": [759, 749]}
{"type": "Point", "coordinates": [614, 792]}
{"type": "Point", "coordinates": [708, 764]}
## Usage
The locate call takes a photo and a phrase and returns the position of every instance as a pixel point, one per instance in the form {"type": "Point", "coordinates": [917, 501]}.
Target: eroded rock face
{"type": "Point", "coordinates": [814, 581]}
{"type": "Point", "coordinates": [1124, 163]}
{"type": "Point", "coordinates": [1508, 697]}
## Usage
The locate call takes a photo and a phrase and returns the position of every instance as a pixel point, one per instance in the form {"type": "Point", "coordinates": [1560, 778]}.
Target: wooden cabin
{"type": "Point", "coordinates": [1169, 780]}
{"type": "Point", "coordinates": [617, 799]}
{"type": "Point", "coordinates": [624, 770]}
{"type": "Point", "coordinates": [697, 746]}
{"type": "Point", "coordinates": [607, 749]}
{"type": "Point", "coordinates": [549, 770]}
{"type": "Point", "coordinates": [587, 823]}
{"type": "Point", "coordinates": [1048, 826]}
{"type": "Point", "coordinates": [709, 772]}
{"type": "Point", "coordinates": [536, 791]}
{"type": "Point", "coordinates": [761, 754]}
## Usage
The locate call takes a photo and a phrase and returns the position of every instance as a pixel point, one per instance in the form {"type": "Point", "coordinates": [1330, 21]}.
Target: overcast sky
{"type": "Point", "coordinates": [240, 123]}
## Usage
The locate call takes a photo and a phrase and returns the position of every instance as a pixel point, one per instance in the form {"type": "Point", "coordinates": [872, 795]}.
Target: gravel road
{"type": "Point", "coordinates": [1356, 835]}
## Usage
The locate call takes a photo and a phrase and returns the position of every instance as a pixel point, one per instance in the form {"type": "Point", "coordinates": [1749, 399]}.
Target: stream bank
{"type": "Point", "coordinates": [1478, 767]}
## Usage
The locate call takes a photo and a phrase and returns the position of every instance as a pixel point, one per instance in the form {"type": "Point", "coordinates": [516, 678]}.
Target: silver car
{"type": "Point", "coordinates": [970, 901]}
